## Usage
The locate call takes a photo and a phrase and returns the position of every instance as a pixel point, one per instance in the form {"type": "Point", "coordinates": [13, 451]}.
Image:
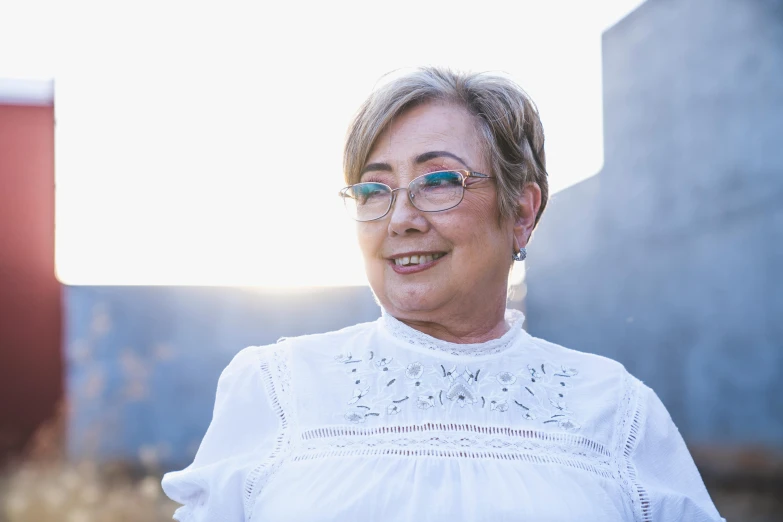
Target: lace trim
{"type": "Point", "coordinates": [277, 381]}
{"type": "Point", "coordinates": [413, 337]}
{"type": "Point", "coordinates": [458, 440]}
{"type": "Point", "coordinates": [478, 431]}
{"type": "Point", "coordinates": [633, 436]}
{"type": "Point", "coordinates": [628, 435]}
{"type": "Point", "coordinates": [528, 457]}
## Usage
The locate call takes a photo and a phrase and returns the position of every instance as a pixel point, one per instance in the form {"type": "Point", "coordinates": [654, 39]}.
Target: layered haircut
{"type": "Point", "coordinates": [506, 117]}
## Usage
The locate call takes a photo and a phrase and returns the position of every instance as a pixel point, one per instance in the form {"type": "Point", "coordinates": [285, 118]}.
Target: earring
{"type": "Point", "coordinates": [521, 255]}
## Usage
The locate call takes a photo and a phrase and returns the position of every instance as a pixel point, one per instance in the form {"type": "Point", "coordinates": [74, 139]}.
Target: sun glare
{"type": "Point", "coordinates": [208, 151]}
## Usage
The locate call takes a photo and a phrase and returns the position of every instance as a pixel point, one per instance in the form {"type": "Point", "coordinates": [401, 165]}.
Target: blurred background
{"type": "Point", "coordinates": [147, 232]}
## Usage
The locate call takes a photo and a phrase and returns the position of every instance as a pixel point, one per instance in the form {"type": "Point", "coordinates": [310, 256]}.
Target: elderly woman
{"type": "Point", "coordinates": [444, 409]}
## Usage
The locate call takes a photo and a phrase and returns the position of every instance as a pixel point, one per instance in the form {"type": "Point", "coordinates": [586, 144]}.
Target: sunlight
{"type": "Point", "coordinates": [204, 148]}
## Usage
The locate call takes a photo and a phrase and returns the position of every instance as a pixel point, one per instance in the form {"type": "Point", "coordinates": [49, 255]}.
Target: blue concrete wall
{"type": "Point", "coordinates": [671, 258]}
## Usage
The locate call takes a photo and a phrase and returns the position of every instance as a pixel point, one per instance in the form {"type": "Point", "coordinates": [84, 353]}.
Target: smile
{"type": "Point", "coordinates": [413, 263]}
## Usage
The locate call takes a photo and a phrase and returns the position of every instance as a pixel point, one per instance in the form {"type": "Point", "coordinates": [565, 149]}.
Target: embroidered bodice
{"type": "Point", "coordinates": [381, 422]}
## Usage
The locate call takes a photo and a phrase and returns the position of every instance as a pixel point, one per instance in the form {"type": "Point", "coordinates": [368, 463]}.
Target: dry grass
{"type": "Point", "coordinates": [42, 486]}
{"type": "Point", "coordinates": [81, 493]}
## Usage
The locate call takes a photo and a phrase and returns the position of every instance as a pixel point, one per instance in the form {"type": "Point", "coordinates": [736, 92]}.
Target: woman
{"type": "Point", "coordinates": [444, 408]}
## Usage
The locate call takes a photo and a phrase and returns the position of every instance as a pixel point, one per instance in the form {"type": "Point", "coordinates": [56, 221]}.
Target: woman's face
{"type": "Point", "coordinates": [475, 248]}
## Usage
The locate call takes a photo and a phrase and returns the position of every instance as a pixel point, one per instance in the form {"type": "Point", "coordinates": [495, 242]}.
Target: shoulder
{"type": "Point", "coordinates": [242, 377]}
{"type": "Point", "coordinates": [250, 358]}
{"type": "Point", "coordinates": [247, 358]}
{"type": "Point", "coordinates": [321, 342]}
{"type": "Point", "coordinates": [602, 390]}
{"type": "Point", "coordinates": [607, 378]}
{"type": "Point", "coordinates": [591, 363]}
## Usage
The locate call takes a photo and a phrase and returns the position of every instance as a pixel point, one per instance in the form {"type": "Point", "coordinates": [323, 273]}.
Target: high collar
{"type": "Point", "coordinates": [415, 338]}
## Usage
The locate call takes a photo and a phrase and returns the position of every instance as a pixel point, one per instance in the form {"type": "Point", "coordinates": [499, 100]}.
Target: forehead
{"type": "Point", "coordinates": [427, 127]}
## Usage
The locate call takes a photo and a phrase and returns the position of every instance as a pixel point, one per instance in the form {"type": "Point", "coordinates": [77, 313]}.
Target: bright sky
{"type": "Point", "coordinates": [200, 142]}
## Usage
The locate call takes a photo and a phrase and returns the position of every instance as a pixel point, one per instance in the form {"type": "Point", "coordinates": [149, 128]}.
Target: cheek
{"type": "Point", "coordinates": [482, 204]}
{"type": "Point", "coordinates": [481, 214]}
{"type": "Point", "coordinates": [478, 230]}
{"type": "Point", "coordinates": [370, 238]}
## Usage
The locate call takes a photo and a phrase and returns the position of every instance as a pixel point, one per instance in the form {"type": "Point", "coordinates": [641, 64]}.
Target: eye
{"type": "Point", "coordinates": [436, 182]}
{"type": "Point", "coordinates": [368, 192]}
{"type": "Point", "coordinates": [441, 179]}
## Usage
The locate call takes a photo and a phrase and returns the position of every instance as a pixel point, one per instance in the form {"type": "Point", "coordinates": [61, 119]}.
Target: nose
{"type": "Point", "coordinates": [404, 217]}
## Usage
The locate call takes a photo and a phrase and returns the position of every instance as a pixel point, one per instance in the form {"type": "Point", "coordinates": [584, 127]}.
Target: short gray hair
{"type": "Point", "coordinates": [507, 118]}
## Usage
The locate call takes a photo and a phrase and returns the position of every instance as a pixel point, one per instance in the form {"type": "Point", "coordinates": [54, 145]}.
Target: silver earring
{"type": "Point", "coordinates": [521, 255]}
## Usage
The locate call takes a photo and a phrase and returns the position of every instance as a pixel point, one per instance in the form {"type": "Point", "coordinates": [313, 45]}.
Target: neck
{"type": "Point", "coordinates": [469, 327]}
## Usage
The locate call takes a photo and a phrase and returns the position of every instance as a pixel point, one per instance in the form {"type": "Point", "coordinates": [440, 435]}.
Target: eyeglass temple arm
{"type": "Point", "coordinates": [472, 174]}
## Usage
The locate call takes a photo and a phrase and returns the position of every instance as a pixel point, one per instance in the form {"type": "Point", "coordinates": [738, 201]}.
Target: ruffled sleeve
{"type": "Point", "coordinates": [240, 439]}
{"type": "Point", "coordinates": [668, 484]}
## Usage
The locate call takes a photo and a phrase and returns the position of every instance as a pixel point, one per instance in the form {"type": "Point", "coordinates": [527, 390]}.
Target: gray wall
{"type": "Point", "coordinates": [670, 260]}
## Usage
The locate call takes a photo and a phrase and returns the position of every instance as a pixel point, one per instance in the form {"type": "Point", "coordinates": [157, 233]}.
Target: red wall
{"type": "Point", "coordinates": [31, 366]}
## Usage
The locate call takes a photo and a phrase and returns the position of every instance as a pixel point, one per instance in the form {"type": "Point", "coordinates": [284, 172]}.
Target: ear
{"type": "Point", "coordinates": [528, 204]}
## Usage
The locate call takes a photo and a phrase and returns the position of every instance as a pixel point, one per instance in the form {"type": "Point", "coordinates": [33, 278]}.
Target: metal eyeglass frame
{"type": "Point", "coordinates": [465, 174]}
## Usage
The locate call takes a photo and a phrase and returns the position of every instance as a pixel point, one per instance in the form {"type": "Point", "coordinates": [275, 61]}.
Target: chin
{"type": "Point", "coordinates": [418, 300]}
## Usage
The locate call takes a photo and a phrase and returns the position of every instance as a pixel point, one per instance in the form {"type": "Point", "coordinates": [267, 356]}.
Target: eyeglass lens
{"type": "Point", "coordinates": [429, 193]}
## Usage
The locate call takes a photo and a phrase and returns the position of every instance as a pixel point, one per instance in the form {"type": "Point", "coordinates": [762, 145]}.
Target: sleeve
{"type": "Point", "coordinates": [668, 482]}
{"type": "Point", "coordinates": [240, 438]}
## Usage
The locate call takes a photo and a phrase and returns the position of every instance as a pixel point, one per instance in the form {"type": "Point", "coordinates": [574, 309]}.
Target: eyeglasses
{"type": "Point", "coordinates": [432, 192]}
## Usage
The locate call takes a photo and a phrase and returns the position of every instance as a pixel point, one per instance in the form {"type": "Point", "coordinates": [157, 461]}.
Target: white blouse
{"type": "Point", "coordinates": [380, 422]}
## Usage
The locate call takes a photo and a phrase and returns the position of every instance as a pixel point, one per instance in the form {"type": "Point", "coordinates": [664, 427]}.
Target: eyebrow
{"type": "Point", "coordinates": [376, 166]}
{"type": "Point", "coordinates": [421, 158]}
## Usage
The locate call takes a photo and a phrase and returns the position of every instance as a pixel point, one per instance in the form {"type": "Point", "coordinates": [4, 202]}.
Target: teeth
{"type": "Point", "coordinates": [417, 260]}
